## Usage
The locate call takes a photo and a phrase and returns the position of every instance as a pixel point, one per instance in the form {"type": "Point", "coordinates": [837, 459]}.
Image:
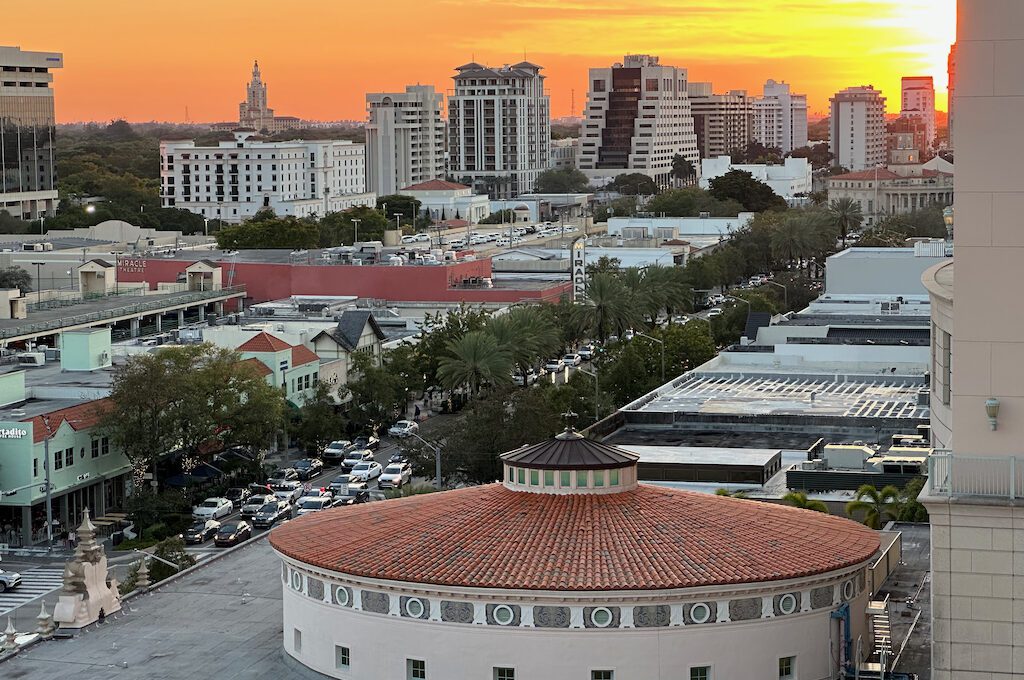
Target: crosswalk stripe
{"type": "Point", "coordinates": [35, 583]}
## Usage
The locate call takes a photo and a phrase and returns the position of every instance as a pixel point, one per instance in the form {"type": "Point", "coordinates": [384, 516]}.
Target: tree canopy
{"type": "Point", "coordinates": [15, 277]}
{"type": "Point", "coordinates": [752, 194]}
{"type": "Point", "coordinates": [561, 181]}
{"type": "Point", "coordinates": [633, 183]}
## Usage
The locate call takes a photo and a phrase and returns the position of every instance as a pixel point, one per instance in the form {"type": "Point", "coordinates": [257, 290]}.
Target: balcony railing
{"type": "Point", "coordinates": [988, 477]}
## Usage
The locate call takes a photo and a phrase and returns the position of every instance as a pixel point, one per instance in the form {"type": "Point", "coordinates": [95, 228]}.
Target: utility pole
{"type": "Point", "coordinates": [437, 459]}
{"type": "Point", "coordinates": [49, 486]}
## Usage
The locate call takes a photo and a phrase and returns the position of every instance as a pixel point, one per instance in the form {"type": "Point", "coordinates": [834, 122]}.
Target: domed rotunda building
{"type": "Point", "coordinates": [570, 569]}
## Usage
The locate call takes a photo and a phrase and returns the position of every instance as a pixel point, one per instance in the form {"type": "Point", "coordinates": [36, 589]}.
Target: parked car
{"type": "Point", "coordinates": [422, 237]}
{"type": "Point", "coordinates": [351, 496]}
{"type": "Point", "coordinates": [398, 458]}
{"type": "Point", "coordinates": [395, 476]}
{"type": "Point", "coordinates": [282, 475]}
{"type": "Point", "coordinates": [287, 491]}
{"type": "Point", "coordinates": [403, 428]}
{"type": "Point", "coordinates": [586, 352]}
{"type": "Point", "coordinates": [271, 513]}
{"type": "Point", "coordinates": [9, 580]}
{"type": "Point", "coordinates": [519, 379]}
{"type": "Point", "coordinates": [366, 441]}
{"type": "Point", "coordinates": [307, 468]}
{"type": "Point", "coordinates": [353, 458]}
{"type": "Point", "coordinates": [555, 364]}
{"type": "Point", "coordinates": [628, 335]}
{"type": "Point", "coordinates": [310, 504]}
{"type": "Point", "coordinates": [253, 505]}
{"type": "Point", "coordinates": [232, 533]}
{"type": "Point", "coordinates": [238, 495]}
{"type": "Point", "coordinates": [714, 312]}
{"type": "Point", "coordinates": [200, 532]}
{"type": "Point", "coordinates": [335, 451]}
{"type": "Point", "coordinates": [366, 471]}
{"type": "Point", "coordinates": [572, 359]}
{"type": "Point", "coordinates": [212, 508]}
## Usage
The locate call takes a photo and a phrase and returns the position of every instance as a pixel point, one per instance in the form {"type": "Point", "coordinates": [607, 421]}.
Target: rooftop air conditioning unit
{"type": "Point", "coordinates": [704, 214]}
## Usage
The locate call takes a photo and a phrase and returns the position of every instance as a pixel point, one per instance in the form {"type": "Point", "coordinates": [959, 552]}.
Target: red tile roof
{"type": "Point", "coordinates": [263, 342]}
{"type": "Point", "coordinates": [261, 368]}
{"type": "Point", "coordinates": [648, 538]}
{"type": "Point", "coordinates": [303, 355]}
{"type": "Point", "coordinates": [435, 185]}
{"type": "Point", "coordinates": [80, 417]}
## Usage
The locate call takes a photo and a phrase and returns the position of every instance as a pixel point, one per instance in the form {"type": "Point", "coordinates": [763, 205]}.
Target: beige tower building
{"type": "Point", "coordinates": [975, 493]}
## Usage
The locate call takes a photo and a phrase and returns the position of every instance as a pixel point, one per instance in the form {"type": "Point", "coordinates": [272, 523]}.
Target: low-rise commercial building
{"type": "Point", "coordinates": [791, 179]}
{"type": "Point", "coordinates": [881, 192]}
{"type": "Point", "coordinates": [444, 200]}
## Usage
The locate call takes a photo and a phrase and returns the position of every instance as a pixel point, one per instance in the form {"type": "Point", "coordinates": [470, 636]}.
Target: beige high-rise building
{"type": "Point", "coordinates": [780, 117]}
{"type": "Point", "coordinates": [917, 100]}
{"type": "Point", "coordinates": [404, 138]}
{"type": "Point", "coordinates": [975, 492]}
{"type": "Point", "coordinates": [856, 135]}
{"type": "Point", "coordinates": [722, 122]}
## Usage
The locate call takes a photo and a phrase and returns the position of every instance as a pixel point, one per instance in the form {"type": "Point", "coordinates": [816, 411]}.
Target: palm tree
{"type": "Point", "coordinates": [798, 499]}
{"type": "Point", "coordinates": [474, 360]}
{"type": "Point", "coordinates": [877, 506]}
{"type": "Point", "coordinates": [526, 334]}
{"type": "Point", "coordinates": [846, 215]}
{"type": "Point", "coordinates": [608, 309]}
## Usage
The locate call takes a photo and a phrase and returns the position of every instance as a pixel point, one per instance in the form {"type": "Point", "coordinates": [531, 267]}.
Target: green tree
{"type": "Point", "coordinates": [406, 206]}
{"type": "Point", "coordinates": [846, 216]}
{"type": "Point", "coordinates": [633, 184]}
{"type": "Point", "coordinates": [506, 216]}
{"type": "Point", "coordinates": [682, 168]}
{"type": "Point", "coordinates": [756, 152]}
{"type": "Point", "coordinates": [266, 231]}
{"type": "Point", "coordinates": [567, 181]}
{"type": "Point", "coordinates": [873, 505]}
{"type": "Point", "coordinates": [608, 308]}
{"type": "Point", "coordinates": [438, 331]}
{"type": "Point", "coordinates": [378, 394]}
{"type": "Point", "coordinates": [526, 334]}
{"type": "Point", "coordinates": [817, 155]}
{"type": "Point", "coordinates": [673, 203]}
{"type": "Point", "coordinates": [339, 228]}
{"type": "Point", "coordinates": [751, 193]}
{"type": "Point", "coordinates": [475, 360]}
{"type": "Point", "coordinates": [799, 499]}
{"type": "Point", "coordinates": [16, 277]}
{"type": "Point", "coordinates": [318, 421]}
{"type": "Point", "coordinates": [604, 265]}
{"type": "Point", "coordinates": [908, 508]}
{"type": "Point", "coordinates": [620, 207]}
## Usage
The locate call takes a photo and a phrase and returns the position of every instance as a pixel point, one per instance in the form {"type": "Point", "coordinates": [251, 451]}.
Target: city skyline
{"type": "Point", "coordinates": [325, 73]}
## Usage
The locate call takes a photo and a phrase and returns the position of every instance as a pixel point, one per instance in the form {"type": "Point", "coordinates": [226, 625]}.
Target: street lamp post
{"type": "Point", "coordinates": [356, 223]}
{"type": "Point", "coordinates": [437, 458]}
{"type": "Point", "coordinates": [597, 391]}
{"type": "Point", "coordinates": [398, 221]}
{"type": "Point", "coordinates": [660, 342]}
{"type": "Point", "coordinates": [785, 293]}
{"type": "Point", "coordinates": [38, 281]}
{"type": "Point", "coordinates": [49, 486]}
{"type": "Point", "coordinates": [206, 226]}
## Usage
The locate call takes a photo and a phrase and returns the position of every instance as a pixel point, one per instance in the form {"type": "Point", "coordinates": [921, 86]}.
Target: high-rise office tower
{"type": "Point", "coordinates": [918, 100]}
{"type": "Point", "coordinates": [404, 138]}
{"type": "Point", "coordinates": [499, 128]}
{"type": "Point", "coordinates": [857, 128]}
{"type": "Point", "coordinates": [722, 122]}
{"type": "Point", "coordinates": [780, 117]}
{"type": "Point", "coordinates": [637, 120]}
{"type": "Point", "coordinates": [976, 475]}
{"type": "Point", "coordinates": [28, 176]}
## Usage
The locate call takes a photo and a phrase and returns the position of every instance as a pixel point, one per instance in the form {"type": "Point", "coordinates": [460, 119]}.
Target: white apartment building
{"type": "Point", "coordinates": [234, 180]}
{"type": "Point", "coordinates": [638, 118]}
{"type": "Point", "coordinates": [789, 180]}
{"type": "Point", "coordinates": [780, 117]}
{"type": "Point", "coordinates": [564, 153]}
{"type": "Point", "coordinates": [918, 101]}
{"type": "Point", "coordinates": [976, 475]}
{"type": "Point", "coordinates": [857, 128]}
{"type": "Point", "coordinates": [722, 122]}
{"type": "Point", "coordinates": [404, 138]}
{"type": "Point", "coordinates": [499, 134]}
{"type": "Point", "coordinates": [28, 172]}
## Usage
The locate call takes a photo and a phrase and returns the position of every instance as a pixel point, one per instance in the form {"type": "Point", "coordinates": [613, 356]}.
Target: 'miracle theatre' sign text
{"type": "Point", "coordinates": [579, 268]}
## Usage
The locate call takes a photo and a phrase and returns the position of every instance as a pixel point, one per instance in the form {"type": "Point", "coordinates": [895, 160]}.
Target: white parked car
{"type": "Point", "coordinates": [555, 364]}
{"type": "Point", "coordinates": [715, 312]}
{"type": "Point", "coordinates": [408, 239]}
{"type": "Point", "coordinates": [353, 458]}
{"type": "Point", "coordinates": [628, 335]}
{"type": "Point", "coordinates": [395, 476]}
{"type": "Point", "coordinates": [586, 352]}
{"type": "Point", "coordinates": [213, 508]}
{"type": "Point", "coordinates": [518, 379]}
{"type": "Point", "coordinates": [572, 360]}
{"type": "Point", "coordinates": [310, 504]}
{"type": "Point", "coordinates": [423, 237]}
{"type": "Point", "coordinates": [287, 491]}
{"type": "Point", "coordinates": [403, 428]}
{"type": "Point", "coordinates": [502, 242]}
{"type": "Point", "coordinates": [366, 471]}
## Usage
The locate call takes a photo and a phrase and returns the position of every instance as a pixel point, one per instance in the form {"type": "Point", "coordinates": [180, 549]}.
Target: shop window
{"type": "Point", "coordinates": [342, 659]}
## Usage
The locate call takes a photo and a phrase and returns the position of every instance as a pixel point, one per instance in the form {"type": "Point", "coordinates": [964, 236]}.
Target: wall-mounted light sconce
{"type": "Point", "coordinates": [992, 411]}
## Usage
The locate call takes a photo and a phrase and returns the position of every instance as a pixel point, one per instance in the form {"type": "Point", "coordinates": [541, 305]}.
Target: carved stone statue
{"type": "Point", "coordinates": [86, 590]}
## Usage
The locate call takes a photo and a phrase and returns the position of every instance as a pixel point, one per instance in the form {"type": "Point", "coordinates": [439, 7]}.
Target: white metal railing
{"type": "Point", "coordinates": [958, 475]}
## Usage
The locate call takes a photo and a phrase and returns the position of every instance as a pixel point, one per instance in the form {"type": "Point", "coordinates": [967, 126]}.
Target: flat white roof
{"type": "Point", "coordinates": [698, 455]}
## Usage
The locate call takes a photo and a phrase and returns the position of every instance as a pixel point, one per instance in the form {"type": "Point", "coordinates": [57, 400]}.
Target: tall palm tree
{"type": "Point", "coordinates": [790, 240]}
{"type": "Point", "coordinates": [526, 334]}
{"type": "Point", "coordinates": [475, 360]}
{"type": "Point", "coordinates": [798, 499]}
{"type": "Point", "coordinates": [608, 308]}
{"type": "Point", "coordinates": [876, 505]}
{"type": "Point", "coordinates": [846, 215]}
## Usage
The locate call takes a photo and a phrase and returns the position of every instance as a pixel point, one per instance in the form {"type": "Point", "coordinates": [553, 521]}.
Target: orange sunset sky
{"type": "Point", "coordinates": [149, 61]}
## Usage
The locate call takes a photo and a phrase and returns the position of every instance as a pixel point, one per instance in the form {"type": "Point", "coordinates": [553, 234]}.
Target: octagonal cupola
{"type": "Point", "coordinates": [569, 463]}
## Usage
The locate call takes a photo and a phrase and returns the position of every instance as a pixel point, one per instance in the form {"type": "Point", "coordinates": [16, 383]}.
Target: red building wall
{"type": "Point", "coordinates": [273, 281]}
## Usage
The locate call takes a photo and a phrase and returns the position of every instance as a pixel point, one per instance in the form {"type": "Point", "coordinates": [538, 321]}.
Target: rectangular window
{"type": "Point", "coordinates": [511, 474]}
{"type": "Point", "coordinates": [652, 85]}
{"type": "Point", "coordinates": [416, 669]}
{"type": "Point", "coordinates": [581, 479]}
{"type": "Point", "coordinates": [534, 477]}
{"type": "Point", "coordinates": [58, 460]}
{"type": "Point", "coordinates": [787, 667]}
{"type": "Point", "coordinates": [549, 478]}
{"type": "Point", "coordinates": [598, 477]}
{"type": "Point", "coordinates": [35, 467]}
{"type": "Point", "coordinates": [95, 448]}
{"type": "Point", "coordinates": [613, 478]}
{"type": "Point", "coordinates": [602, 675]}
{"type": "Point", "coordinates": [565, 479]}
{"type": "Point", "coordinates": [598, 86]}
{"type": "Point", "coordinates": [700, 673]}
{"type": "Point", "coordinates": [522, 475]}
{"type": "Point", "coordinates": [341, 657]}
{"type": "Point", "coordinates": [504, 673]}
{"type": "Point", "coordinates": [105, 445]}
{"type": "Point", "coordinates": [69, 457]}
{"type": "Point", "coordinates": [297, 639]}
